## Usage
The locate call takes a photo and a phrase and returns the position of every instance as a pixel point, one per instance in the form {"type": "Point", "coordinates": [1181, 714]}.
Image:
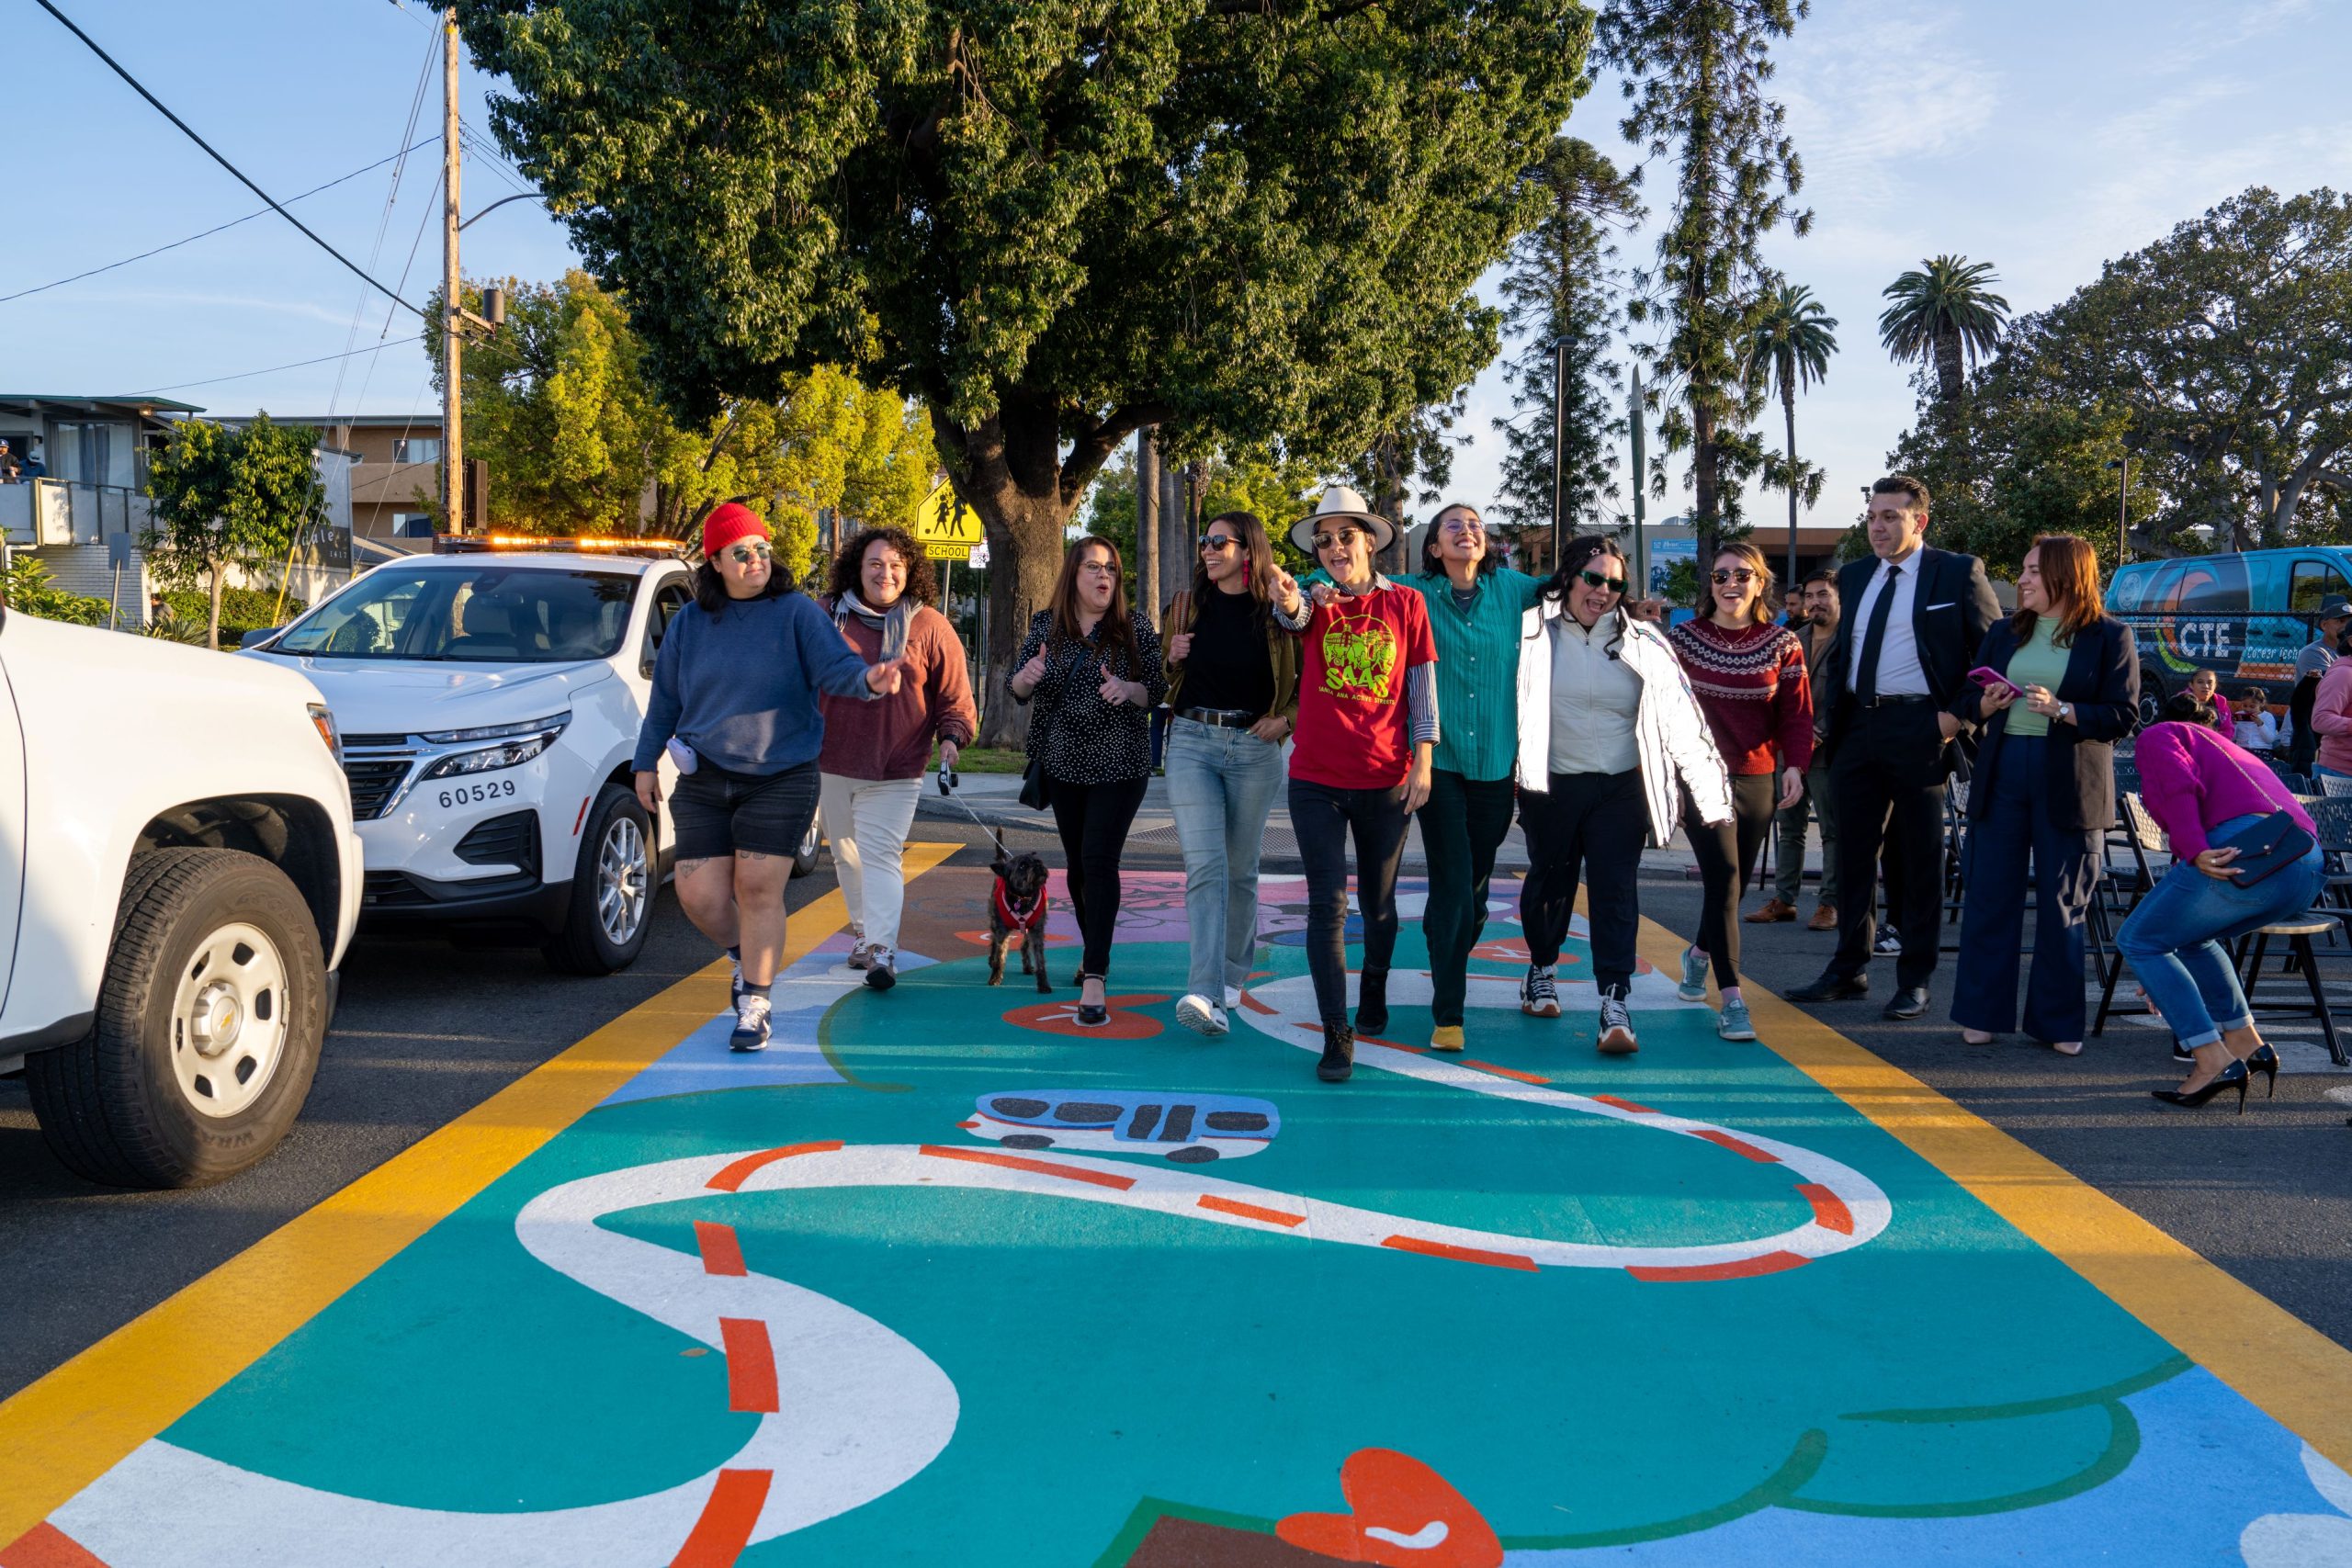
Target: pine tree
{"type": "Point", "coordinates": [1561, 285]}
{"type": "Point", "coordinates": [1695, 74]}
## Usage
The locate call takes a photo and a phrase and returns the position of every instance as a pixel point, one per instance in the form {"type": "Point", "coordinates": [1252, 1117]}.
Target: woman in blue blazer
{"type": "Point", "coordinates": [2044, 785]}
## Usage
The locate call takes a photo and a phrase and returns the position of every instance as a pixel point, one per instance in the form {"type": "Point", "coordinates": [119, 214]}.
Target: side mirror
{"type": "Point", "coordinates": [258, 636]}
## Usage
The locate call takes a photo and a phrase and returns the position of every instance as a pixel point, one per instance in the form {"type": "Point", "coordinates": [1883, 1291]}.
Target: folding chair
{"type": "Point", "coordinates": [2143, 838]}
{"type": "Point", "coordinates": [2335, 786]}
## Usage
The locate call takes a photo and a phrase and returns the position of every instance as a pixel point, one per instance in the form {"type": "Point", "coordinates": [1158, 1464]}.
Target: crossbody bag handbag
{"type": "Point", "coordinates": [2268, 846]}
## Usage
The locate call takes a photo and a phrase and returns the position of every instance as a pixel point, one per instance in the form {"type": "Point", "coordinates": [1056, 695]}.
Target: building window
{"type": "Point", "coordinates": [92, 451]}
{"type": "Point", "coordinates": [411, 524]}
{"type": "Point", "coordinates": [416, 449]}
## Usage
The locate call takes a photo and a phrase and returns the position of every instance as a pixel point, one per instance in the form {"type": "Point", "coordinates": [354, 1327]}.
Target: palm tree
{"type": "Point", "coordinates": [1940, 313]}
{"type": "Point", "coordinates": [1788, 344]}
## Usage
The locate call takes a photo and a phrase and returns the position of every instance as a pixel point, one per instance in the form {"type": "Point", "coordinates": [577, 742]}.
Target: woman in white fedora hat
{"type": "Point", "coordinates": [1361, 756]}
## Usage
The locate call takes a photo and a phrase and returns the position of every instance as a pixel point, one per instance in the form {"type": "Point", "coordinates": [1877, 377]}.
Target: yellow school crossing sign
{"type": "Point", "coordinates": [945, 526]}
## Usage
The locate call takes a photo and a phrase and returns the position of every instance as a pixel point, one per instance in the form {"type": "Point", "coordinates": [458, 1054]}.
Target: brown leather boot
{"type": "Point", "coordinates": [1825, 917]}
{"type": "Point", "coordinates": [1773, 909]}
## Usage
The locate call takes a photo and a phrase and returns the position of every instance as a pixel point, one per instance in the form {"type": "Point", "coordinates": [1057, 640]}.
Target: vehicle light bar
{"type": "Point", "coordinates": [584, 544]}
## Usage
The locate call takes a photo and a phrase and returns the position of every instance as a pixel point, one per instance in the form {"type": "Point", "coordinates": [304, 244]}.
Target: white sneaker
{"type": "Point", "coordinates": [751, 1025]}
{"type": "Point", "coordinates": [1889, 943]}
{"type": "Point", "coordinates": [860, 956]}
{"type": "Point", "coordinates": [1233, 999]}
{"type": "Point", "coordinates": [1200, 1015]}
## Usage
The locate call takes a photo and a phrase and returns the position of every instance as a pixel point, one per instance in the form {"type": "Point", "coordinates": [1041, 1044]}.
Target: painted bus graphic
{"type": "Point", "coordinates": [1188, 1129]}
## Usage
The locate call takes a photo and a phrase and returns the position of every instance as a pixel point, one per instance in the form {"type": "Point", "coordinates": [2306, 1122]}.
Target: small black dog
{"type": "Point", "coordinates": [1017, 911]}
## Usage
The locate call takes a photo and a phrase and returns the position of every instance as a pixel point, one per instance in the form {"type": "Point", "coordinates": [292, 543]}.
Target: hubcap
{"type": "Point", "coordinates": [230, 1015]}
{"type": "Point", "coordinates": [620, 881]}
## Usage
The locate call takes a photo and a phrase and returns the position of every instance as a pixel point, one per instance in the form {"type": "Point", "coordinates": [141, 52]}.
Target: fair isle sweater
{"type": "Point", "coordinates": [1751, 684]}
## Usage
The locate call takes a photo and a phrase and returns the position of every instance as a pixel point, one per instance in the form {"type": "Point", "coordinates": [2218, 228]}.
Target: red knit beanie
{"type": "Point", "coordinates": [727, 523]}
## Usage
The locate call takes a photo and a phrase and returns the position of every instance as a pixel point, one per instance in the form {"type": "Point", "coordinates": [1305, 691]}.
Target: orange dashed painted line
{"type": "Point", "coordinates": [1252, 1003]}
{"type": "Point", "coordinates": [1740, 1146]}
{"type": "Point", "coordinates": [721, 1253]}
{"type": "Point", "coordinates": [1500, 1071]}
{"type": "Point", "coordinates": [1743, 1268]}
{"type": "Point", "coordinates": [728, 1519]}
{"type": "Point", "coordinates": [731, 1179]}
{"type": "Point", "coordinates": [1460, 1254]}
{"type": "Point", "coordinates": [1249, 1211]}
{"type": "Point", "coordinates": [1625, 1104]}
{"type": "Point", "coordinates": [1829, 1209]}
{"type": "Point", "coordinates": [46, 1546]}
{"type": "Point", "coordinates": [1039, 1166]}
{"type": "Point", "coordinates": [750, 1365]}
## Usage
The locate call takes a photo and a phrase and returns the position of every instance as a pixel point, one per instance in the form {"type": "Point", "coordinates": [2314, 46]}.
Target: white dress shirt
{"type": "Point", "coordinates": [1899, 670]}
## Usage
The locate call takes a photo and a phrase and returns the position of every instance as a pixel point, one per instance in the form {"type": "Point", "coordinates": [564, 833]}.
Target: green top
{"type": "Point", "coordinates": [1478, 670]}
{"type": "Point", "coordinates": [2040, 662]}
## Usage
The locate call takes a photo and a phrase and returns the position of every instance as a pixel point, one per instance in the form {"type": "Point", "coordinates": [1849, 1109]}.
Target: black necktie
{"type": "Point", "coordinates": [1874, 638]}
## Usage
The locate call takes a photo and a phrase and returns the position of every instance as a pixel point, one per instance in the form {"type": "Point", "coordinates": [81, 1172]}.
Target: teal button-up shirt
{"type": "Point", "coordinates": [1478, 670]}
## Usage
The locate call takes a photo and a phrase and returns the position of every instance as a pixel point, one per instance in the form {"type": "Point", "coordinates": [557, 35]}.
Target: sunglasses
{"type": "Point", "coordinates": [1741, 574]}
{"type": "Point", "coordinates": [1325, 541]}
{"type": "Point", "coordinates": [1219, 542]}
{"type": "Point", "coordinates": [744, 555]}
{"type": "Point", "coordinates": [1594, 580]}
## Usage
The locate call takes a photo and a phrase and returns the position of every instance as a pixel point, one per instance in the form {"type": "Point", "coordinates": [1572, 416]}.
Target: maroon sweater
{"type": "Point", "coordinates": [889, 738]}
{"type": "Point", "coordinates": [1751, 684]}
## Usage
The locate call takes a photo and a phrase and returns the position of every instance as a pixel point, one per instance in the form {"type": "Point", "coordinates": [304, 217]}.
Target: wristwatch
{"type": "Point", "coordinates": [2066, 712]}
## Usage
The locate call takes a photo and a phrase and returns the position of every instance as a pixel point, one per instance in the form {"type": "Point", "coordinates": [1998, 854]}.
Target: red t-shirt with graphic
{"type": "Point", "coordinates": [1353, 730]}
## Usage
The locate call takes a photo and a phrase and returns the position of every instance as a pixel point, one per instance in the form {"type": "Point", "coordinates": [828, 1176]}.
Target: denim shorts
{"type": "Point", "coordinates": [717, 812]}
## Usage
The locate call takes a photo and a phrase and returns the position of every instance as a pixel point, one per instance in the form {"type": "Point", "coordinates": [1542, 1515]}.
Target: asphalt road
{"type": "Point", "coordinates": [428, 1030]}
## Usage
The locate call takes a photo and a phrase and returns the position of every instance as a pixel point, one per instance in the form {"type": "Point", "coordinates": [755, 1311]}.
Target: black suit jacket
{"type": "Point", "coordinates": [1951, 608]}
{"type": "Point", "coordinates": [2102, 681]}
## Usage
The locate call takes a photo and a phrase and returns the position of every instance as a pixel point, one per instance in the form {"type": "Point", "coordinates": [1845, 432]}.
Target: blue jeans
{"type": "Point", "coordinates": [2013, 824]}
{"type": "Point", "coordinates": [1221, 785]}
{"type": "Point", "coordinates": [2174, 938]}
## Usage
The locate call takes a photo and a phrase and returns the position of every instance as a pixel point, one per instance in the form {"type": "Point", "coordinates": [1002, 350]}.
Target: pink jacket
{"type": "Point", "coordinates": [2191, 779]}
{"type": "Point", "coordinates": [2332, 716]}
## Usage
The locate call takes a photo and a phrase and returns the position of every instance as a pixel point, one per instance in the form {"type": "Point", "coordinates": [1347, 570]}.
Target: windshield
{"type": "Point", "coordinates": [482, 614]}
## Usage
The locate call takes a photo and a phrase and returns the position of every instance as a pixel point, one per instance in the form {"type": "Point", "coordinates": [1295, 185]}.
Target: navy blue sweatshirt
{"type": "Point", "coordinates": [741, 687]}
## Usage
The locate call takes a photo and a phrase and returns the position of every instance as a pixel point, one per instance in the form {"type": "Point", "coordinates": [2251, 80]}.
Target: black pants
{"type": "Point", "coordinates": [1094, 820]}
{"type": "Point", "coordinates": [1462, 825]}
{"type": "Point", "coordinates": [1590, 826]}
{"type": "Point", "coordinates": [1726, 854]}
{"type": "Point", "coordinates": [1888, 778]}
{"type": "Point", "coordinates": [1321, 818]}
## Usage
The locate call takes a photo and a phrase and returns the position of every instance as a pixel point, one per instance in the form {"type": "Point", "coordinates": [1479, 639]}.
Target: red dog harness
{"type": "Point", "coordinates": [1015, 920]}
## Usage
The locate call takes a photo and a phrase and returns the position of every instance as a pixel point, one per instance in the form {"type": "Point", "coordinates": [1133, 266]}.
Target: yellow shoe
{"type": "Point", "coordinates": [1446, 1037]}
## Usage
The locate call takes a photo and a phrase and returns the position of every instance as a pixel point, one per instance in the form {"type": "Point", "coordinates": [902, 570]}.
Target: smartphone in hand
{"type": "Point", "coordinates": [1992, 680]}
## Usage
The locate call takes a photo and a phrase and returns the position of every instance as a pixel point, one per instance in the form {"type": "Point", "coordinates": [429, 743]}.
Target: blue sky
{"type": "Point", "coordinates": [2043, 137]}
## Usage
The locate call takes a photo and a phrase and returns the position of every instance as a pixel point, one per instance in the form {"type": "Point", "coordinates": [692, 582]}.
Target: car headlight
{"type": "Point", "coordinates": [324, 722]}
{"type": "Point", "coordinates": [552, 726]}
{"type": "Point", "coordinates": [523, 742]}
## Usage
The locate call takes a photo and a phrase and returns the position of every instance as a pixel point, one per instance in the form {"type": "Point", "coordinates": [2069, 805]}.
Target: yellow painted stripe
{"type": "Point", "coordinates": [63, 1432]}
{"type": "Point", "coordinates": [2298, 1375]}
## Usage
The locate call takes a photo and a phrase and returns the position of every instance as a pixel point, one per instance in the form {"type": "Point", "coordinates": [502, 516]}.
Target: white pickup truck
{"type": "Point", "coordinates": [178, 877]}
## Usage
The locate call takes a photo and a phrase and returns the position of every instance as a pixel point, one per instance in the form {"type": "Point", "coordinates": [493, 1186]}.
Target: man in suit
{"type": "Point", "coordinates": [1914, 618]}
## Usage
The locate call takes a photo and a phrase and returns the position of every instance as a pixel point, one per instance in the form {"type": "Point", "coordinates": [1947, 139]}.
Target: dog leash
{"type": "Point", "coordinates": [948, 780]}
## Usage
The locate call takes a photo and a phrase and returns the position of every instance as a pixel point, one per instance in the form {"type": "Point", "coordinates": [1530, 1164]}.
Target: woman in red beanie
{"type": "Point", "coordinates": [734, 698]}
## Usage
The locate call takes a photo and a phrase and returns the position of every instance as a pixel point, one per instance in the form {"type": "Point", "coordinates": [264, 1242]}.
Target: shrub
{"type": "Point", "coordinates": [241, 609]}
{"type": "Point", "coordinates": [27, 587]}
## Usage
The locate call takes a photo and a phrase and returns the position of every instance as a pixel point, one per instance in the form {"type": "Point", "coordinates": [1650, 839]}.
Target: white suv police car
{"type": "Point", "coordinates": [489, 697]}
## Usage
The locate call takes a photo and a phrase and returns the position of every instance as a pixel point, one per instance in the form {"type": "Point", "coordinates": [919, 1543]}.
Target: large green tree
{"type": "Point", "coordinates": [1790, 340]}
{"type": "Point", "coordinates": [1695, 77]}
{"type": "Point", "coordinates": [1945, 314]}
{"type": "Point", "coordinates": [1054, 221]}
{"type": "Point", "coordinates": [231, 497]}
{"type": "Point", "coordinates": [1561, 289]}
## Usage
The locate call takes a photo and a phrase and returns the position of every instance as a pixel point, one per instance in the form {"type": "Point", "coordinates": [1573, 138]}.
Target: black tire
{"type": "Point", "coordinates": [803, 859]}
{"type": "Point", "coordinates": [2153, 696]}
{"type": "Point", "coordinates": [111, 1105]}
{"type": "Point", "coordinates": [588, 944]}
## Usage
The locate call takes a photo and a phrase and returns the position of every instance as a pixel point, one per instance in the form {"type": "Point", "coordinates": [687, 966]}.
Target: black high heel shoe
{"type": "Point", "coordinates": [2232, 1076]}
{"type": "Point", "coordinates": [2266, 1062]}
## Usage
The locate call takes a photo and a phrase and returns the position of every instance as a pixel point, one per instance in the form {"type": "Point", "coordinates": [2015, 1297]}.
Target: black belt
{"type": "Point", "coordinates": [1221, 719]}
{"type": "Point", "coordinates": [1893, 699]}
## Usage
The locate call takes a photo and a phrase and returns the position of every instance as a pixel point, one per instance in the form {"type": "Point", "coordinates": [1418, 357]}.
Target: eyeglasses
{"type": "Point", "coordinates": [1099, 568]}
{"type": "Point", "coordinates": [1219, 542]}
{"type": "Point", "coordinates": [744, 555]}
{"type": "Point", "coordinates": [1742, 575]}
{"type": "Point", "coordinates": [1594, 580]}
{"type": "Point", "coordinates": [1462, 526]}
{"type": "Point", "coordinates": [1325, 541]}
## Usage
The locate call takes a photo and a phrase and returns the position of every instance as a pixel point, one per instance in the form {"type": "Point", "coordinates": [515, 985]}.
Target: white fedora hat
{"type": "Point", "coordinates": [1341, 503]}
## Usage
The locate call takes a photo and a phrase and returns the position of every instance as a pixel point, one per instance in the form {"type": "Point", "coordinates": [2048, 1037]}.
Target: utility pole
{"type": "Point", "coordinates": [1148, 536]}
{"type": "Point", "coordinates": [1559, 444]}
{"type": "Point", "coordinates": [453, 439]}
{"type": "Point", "coordinates": [1641, 583]}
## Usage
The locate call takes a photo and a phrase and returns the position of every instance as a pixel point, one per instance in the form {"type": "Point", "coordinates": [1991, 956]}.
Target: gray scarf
{"type": "Point", "coordinates": [892, 623]}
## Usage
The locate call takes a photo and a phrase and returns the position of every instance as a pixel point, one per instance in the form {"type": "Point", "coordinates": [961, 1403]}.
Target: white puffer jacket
{"type": "Point", "coordinates": [1678, 751]}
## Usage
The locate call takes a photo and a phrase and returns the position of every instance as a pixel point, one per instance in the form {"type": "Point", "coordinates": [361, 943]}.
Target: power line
{"type": "Point", "coordinates": [247, 375]}
{"type": "Point", "coordinates": [275, 206]}
{"type": "Point", "coordinates": [248, 218]}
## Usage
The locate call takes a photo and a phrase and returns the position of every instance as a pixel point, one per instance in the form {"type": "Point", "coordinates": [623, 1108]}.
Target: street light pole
{"type": "Point", "coordinates": [2124, 509]}
{"type": "Point", "coordinates": [1641, 582]}
{"type": "Point", "coordinates": [453, 443]}
{"type": "Point", "coordinates": [1559, 446]}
